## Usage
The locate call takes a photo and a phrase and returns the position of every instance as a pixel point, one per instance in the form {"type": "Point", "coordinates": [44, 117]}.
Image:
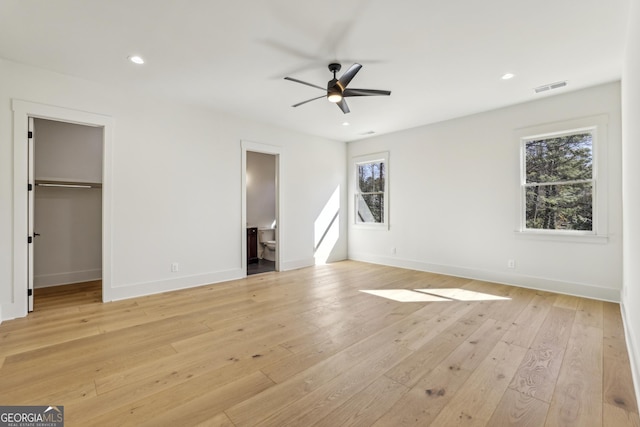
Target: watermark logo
{"type": "Point", "coordinates": [31, 416]}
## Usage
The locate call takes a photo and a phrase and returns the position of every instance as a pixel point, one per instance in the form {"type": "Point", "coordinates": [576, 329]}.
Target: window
{"type": "Point", "coordinates": [558, 181]}
{"type": "Point", "coordinates": [371, 197]}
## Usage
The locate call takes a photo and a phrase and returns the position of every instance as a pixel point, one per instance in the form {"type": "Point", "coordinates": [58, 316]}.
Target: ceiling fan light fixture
{"type": "Point", "coordinates": [334, 96]}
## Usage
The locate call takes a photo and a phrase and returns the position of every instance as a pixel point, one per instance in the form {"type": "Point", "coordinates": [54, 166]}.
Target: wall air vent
{"type": "Point", "coordinates": [550, 86]}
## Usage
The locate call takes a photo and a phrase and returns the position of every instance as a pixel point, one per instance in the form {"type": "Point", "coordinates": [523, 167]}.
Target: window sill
{"type": "Point", "coordinates": [370, 226]}
{"type": "Point", "coordinates": [562, 236]}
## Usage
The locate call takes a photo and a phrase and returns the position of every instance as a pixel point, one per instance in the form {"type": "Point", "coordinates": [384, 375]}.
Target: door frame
{"type": "Point", "coordinates": [22, 110]}
{"type": "Point", "coordinates": [278, 152]}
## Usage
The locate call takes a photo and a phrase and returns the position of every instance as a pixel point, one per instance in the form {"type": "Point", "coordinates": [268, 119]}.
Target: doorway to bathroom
{"type": "Point", "coordinates": [261, 210]}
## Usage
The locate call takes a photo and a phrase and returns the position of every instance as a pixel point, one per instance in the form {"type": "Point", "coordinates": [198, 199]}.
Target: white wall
{"type": "Point", "coordinates": [67, 151]}
{"type": "Point", "coordinates": [173, 197]}
{"type": "Point", "coordinates": [69, 248]}
{"type": "Point", "coordinates": [261, 189]}
{"type": "Point", "coordinates": [631, 187]}
{"type": "Point", "coordinates": [454, 200]}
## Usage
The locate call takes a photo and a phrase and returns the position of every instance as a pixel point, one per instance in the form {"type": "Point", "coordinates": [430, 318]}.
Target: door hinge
{"type": "Point", "coordinates": [30, 134]}
{"type": "Point", "coordinates": [29, 292]}
{"type": "Point", "coordinates": [30, 187]}
{"type": "Point", "coordinates": [29, 239]}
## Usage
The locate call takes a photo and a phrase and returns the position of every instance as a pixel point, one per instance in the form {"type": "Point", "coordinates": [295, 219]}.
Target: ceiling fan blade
{"type": "Point", "coordinates": [343, 106]}
{"type": "Point", "coordinates": [305, 83]}
{"type": "Point", "coordinates": [308, 100]}
{"type": "Point", "coordinates": [349, 75]}
{"type": "Point", "coordinates": [365, 92]}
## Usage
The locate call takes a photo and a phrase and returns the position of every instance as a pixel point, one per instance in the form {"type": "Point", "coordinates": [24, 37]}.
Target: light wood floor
{"type": "Point", "coordinates": [306, 348]}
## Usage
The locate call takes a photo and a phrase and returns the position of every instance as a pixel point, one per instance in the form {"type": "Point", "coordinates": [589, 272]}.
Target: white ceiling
{"type": "Point", "coordinates": [440, 58]}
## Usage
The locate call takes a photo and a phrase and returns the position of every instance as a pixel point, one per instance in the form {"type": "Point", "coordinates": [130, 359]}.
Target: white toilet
{"type": "Point", "coordinates": [267, 242]}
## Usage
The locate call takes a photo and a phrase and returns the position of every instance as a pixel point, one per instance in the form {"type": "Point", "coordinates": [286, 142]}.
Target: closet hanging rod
{"type": "Point", "coordinates": [68, 184]}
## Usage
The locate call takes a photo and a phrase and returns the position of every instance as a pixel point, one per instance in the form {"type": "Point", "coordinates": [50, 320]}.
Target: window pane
{"type": "Point", "coordinates": [560, 207]}
{"type": "Point", "coordinates": [565, 158]}
{"type": "Point", "coordinates": [370, 208]}
{"type": "Point", "coordinates": [371, 177]}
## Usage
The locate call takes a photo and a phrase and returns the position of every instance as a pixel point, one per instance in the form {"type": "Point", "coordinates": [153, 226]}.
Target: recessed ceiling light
{"type": "Point", "coordinates": [136, 59]}
{"type": "Point", "coordinates": [508, 76]}
{"type": "Point", "coordinates": [345, 123]}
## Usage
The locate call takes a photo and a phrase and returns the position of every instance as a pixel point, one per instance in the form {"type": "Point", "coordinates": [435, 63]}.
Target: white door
{"type": "Point", "coordinates": [30, 231]}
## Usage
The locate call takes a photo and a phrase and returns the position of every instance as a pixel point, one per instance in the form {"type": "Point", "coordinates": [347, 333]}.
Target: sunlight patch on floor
{"type": "Point", "coordinates": [430, 295]}
{"type": "Point", "coordinates": [403, 295]}
{"type": "Point", "coordinates": [462, 294]}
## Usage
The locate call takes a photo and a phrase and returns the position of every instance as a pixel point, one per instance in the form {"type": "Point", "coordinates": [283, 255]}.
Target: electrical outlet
{"type": "Point", "coordinates": [393, 250]}
{"type": "Point", "coordinates": [175, 267]}
{"type": "Point", "coordinates": [511, 263]}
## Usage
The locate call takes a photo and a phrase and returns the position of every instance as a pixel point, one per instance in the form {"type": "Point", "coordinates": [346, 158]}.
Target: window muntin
{"type": "Point", "coordinates": [559, 181]}
{"type": "Point", "coordinates": [371, 184]}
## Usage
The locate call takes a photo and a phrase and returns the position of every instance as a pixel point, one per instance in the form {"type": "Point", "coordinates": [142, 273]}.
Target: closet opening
{"type": "Point", "coordinates": [65, 213]}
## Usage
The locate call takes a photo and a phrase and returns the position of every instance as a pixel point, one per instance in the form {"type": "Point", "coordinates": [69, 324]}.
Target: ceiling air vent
{"type": "Point", "coordinates": [550, 86]}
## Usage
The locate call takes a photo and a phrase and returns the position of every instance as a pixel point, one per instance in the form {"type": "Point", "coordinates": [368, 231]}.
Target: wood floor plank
{"type": "Point", "coordinates": [618, 384]}
{"type": "Point", "coordinates": [15, 343]}
{"type": "Point", "coordinates": [218, 420]}
{"type": "Point", "coordinates": [525, 327]}
{"type": "Point", "coordinates": [423, 360]}
{"type": "Point", "coordinates": [317, 351]}
{"type": "Point", "coordinates": [567, 301]}
{"type": "Point", "coordinates": [422, 404]}
{"type": "Point", "coordinates": [360, 323]}
{"type": "Point", "coordinates": [474, 404]}
{"type": "Point", "coordinates": [589, 312]}
{"type": "Point", "coordinates": [307, 347]}
{"type": "Point", "coordinates": [328, 397]}
{"type": "Point", "coordinates": [517, 409]}
{"type": "Point", "coordinates": [366, 407]}
{"type": "Point", "coordinates": [283, 394]}
{"type": "Point", "coordinates": [539, 370]}
{"type": "Point", "coordinates": [183, 384]}
{"type": "Point", "coordinates": [618, 417]}
{"type": "Point", "coordinates": [180, 367]}
{"type": "Point", "coordinates": [578, 396]}
{"type": "Point", "coordinates": [201, 404]}
{"type": "Point", "coordinates": [91, 350]}
{"type": "Point", "coordinates": [425, 331]}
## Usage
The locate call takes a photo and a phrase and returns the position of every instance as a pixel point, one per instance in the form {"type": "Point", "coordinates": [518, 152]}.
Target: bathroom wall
{"type": "Point", "coordinates": [261, 189]}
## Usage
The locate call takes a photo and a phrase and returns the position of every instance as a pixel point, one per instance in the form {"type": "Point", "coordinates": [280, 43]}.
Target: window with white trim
{"type": "Point", "coordinates": [371, 189]}
{"type": "Point", "coordinates": [559, 181]}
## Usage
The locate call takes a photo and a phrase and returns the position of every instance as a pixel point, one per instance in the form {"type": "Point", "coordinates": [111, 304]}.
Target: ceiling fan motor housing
{"type": "Point", "coordinates": [334, 67]}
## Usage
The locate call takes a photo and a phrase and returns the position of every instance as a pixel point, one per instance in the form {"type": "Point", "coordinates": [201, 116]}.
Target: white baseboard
{"type": "Point", "coordinates": [530, 282]}
{"type": "Point", "coordinates": [296, 264]}
{"type": "Point", "coordinates": [632, 347]}
{"type": "Point", "coordinates": [155, 287]}
{"type": "Point", "coordinates": [66, 278]}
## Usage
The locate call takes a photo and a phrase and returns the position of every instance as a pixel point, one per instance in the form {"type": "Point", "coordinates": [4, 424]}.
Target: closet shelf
{"type": "Point", "coordinates": [67, 184]}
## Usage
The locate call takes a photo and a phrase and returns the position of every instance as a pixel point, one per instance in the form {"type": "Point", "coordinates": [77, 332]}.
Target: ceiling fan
{"type": "Point", "coordinates": [337, 89]}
